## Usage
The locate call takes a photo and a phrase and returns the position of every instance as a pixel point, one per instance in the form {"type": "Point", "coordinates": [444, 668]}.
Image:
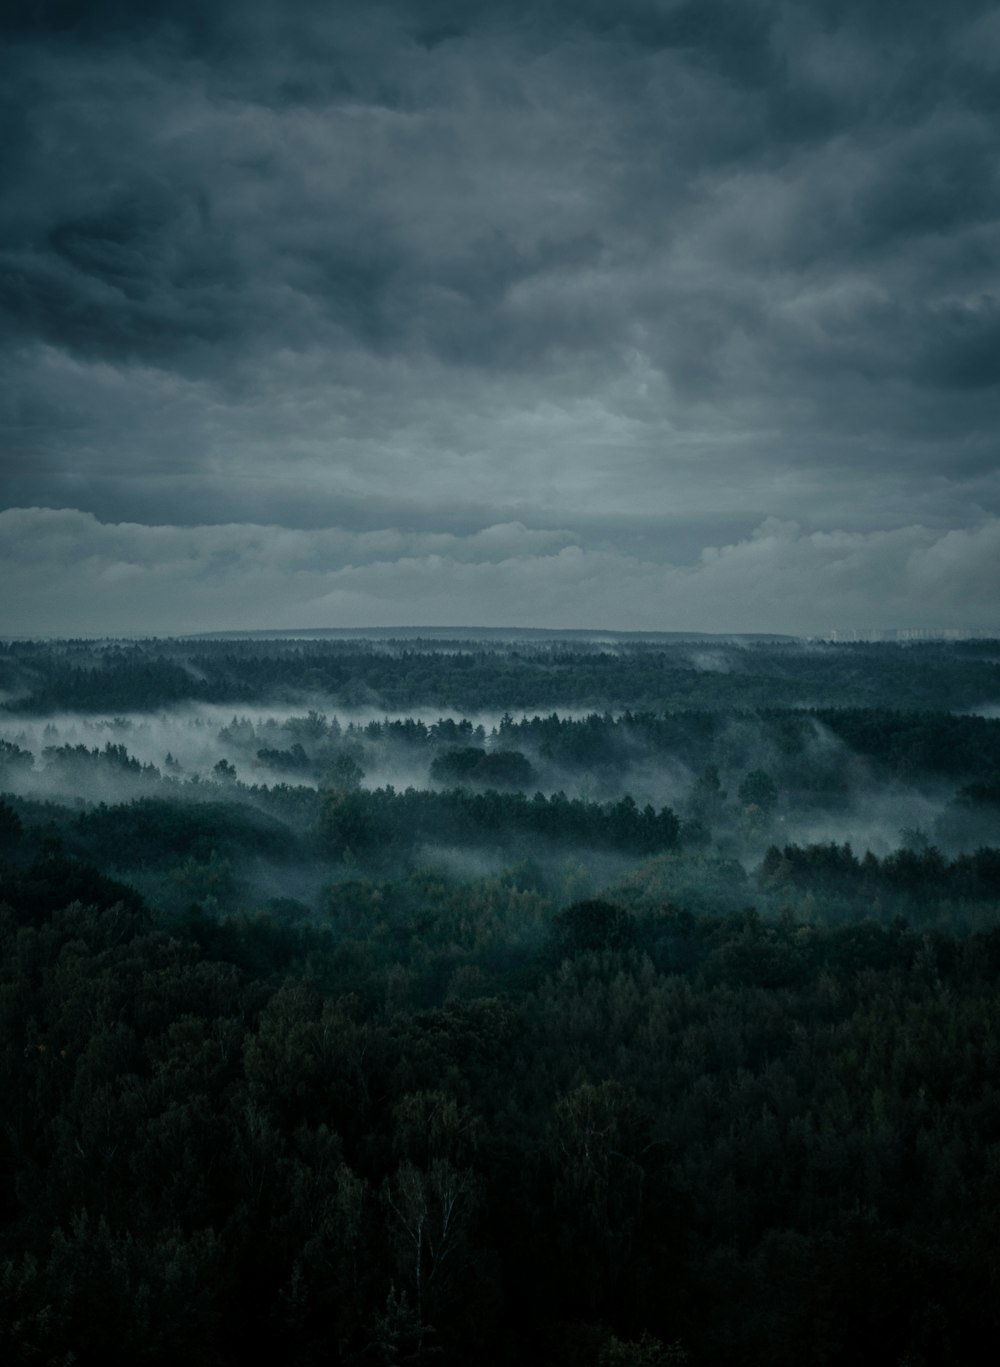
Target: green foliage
{"type": "Point", "coordinates": [14, 761]}
{"type": "Point", "coordinates": [758, 790]}
{"type": "Point", "coordinates": [364, 821]}
{"type": "Point", "coordinates": [646, 1351]}
{"type": "Point", "coordinates": [210, 1143]}
{"type": "Point", "coordinates": [11, 826]}
{"type": "Point", "coordinates": [592, 926]}
{"type": "Point", "coordinates": [474, 676]}
{"type": "Point", "coordinates": [477, 1076]}
{"type": "Point", "coordinates": [488, 769]}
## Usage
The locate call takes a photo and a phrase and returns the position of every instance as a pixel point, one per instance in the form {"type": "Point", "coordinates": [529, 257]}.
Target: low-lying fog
{"type": "Point", "coordinates": [824, 793]}
{"type": "Point", "coordinates": [189, 741]}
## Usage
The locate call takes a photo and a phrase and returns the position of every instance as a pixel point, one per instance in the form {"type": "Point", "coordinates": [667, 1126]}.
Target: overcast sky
{"type": "Point", "coordinates": [659, 315]}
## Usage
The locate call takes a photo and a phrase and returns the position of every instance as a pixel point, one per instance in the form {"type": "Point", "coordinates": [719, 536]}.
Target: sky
{"type": "Point", "coordinates": [679, 315]}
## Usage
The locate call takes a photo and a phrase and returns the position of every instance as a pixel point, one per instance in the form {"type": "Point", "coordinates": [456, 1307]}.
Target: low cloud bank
{"type": "Point", "coordinates": [68, 573]}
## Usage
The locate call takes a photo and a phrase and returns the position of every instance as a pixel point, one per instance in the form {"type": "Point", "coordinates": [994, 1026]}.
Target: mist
{"type": "Point", "coordinates": [738, 784]}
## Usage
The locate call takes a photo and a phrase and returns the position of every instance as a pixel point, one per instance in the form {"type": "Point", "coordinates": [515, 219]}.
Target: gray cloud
{"type": "Point", "coordinates": [647, 273]}
{"type": "Point", "coordinates": [107, 578]}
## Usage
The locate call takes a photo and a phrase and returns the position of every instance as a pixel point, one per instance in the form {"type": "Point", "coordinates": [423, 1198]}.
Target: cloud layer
{"type": "Point", "coordinates": [634, 278]}
{"type": "Point", "coordinates": [66, 567]}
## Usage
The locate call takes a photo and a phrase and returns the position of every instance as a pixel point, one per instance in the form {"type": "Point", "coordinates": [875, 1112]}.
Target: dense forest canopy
{"type": "Point", "coordinates": [475, 676]}
{"type": "Point", "coordinates": [409, 1002]}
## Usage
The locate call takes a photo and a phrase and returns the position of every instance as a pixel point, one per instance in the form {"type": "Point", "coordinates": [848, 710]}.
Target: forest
{"type": "Point", "coordinates": [614, 1002]}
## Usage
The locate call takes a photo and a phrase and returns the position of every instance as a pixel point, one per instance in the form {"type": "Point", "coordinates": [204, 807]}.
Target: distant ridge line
{"type": "Point", "coordinates": [486, 633]}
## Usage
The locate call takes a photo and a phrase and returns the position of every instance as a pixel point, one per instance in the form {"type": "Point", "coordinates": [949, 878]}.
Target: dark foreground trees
{"type": "Point", "coordinates": [657, 1137]}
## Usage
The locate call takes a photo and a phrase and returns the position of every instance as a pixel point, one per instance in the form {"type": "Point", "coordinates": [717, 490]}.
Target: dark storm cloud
{"type": "Point", "coordinates": [173, 210]}
{"type": "Point", "coordinates": [617, 268]}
